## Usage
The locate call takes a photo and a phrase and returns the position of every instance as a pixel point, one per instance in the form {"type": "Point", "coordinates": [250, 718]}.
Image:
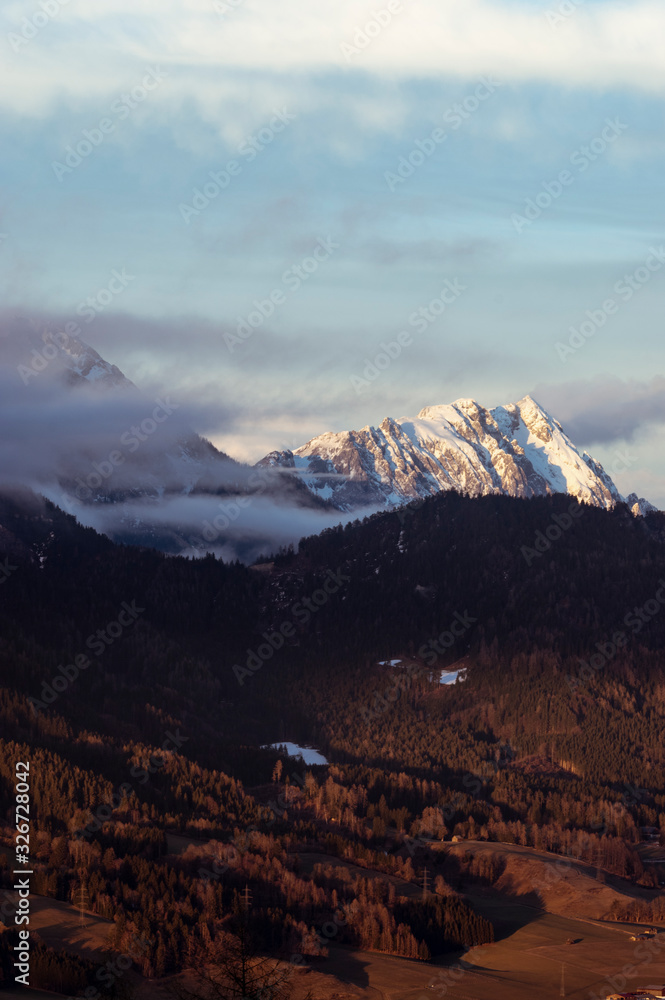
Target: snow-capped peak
{"type": "Point", "coordinates": [517, 449]}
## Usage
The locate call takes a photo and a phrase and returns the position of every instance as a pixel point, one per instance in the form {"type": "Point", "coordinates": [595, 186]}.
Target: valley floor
{"type": "Point", "coordinates": [534, 953]}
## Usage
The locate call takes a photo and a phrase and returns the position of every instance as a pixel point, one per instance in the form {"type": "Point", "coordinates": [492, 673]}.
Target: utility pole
{"type": "Point", "coordinates": [247, 898]}
{"type": "Point", "coordinates": [83, 900]}
{"type": "Point", "coordinates": [425, 886]}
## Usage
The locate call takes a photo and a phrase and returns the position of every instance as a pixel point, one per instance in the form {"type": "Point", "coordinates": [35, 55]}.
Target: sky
{"type": "Point", "coordinates": [246, 202]}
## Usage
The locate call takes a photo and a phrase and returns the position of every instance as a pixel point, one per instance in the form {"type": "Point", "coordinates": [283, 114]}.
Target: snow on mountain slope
{"type": "Point", "coordinates": [32, 349]}
{"type": "Point", "coordinates": [84, 361]}
{"type": "Point", "coordinates": [517, 449]}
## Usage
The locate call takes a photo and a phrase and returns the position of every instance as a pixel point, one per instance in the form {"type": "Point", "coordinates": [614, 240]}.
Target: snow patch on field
{"type": "Point", "coordinates": [452, 676]}
{"type": "Point", "coordinates": [307, 754]}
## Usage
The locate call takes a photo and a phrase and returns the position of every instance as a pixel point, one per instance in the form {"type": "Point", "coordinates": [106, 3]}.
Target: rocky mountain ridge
{"type": "Point", "coordinates": [517, 449]}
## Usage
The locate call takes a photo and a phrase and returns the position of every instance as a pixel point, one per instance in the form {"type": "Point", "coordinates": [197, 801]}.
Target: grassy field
{"type": "Point", "coordinates": [532, 951]}
{"type": "Point", "coordinates": [553, 883]}
{"type": "Point", "coordinates": [526, 963]}
{"type": "Point", "coordinates": [60, 925]}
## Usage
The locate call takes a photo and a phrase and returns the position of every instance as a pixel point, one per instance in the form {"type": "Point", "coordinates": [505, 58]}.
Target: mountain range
{"type": "Point", "coordinates": [152, 479]}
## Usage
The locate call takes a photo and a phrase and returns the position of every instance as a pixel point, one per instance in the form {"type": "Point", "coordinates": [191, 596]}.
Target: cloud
{"type": "Point", "coordinates": [276, 391]}
{"type": "Point", "coordinates": [603, 410]}
{"type": "Point", "coordinates": [87, 55]}
{"type": "Point", "coordinates": [130, 465]}
{"type": "Point", "coordinates": [56, 424]}
{"type": "Point", "coordinates": [232, 527]}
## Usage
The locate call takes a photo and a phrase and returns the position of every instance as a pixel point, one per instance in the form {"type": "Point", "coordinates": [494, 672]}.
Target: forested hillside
{"type": "Point", "coordinates": [142, 688]}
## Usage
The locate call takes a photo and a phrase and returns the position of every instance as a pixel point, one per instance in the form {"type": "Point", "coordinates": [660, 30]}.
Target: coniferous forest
{"type": "Point", "coordinates": [143, 688]}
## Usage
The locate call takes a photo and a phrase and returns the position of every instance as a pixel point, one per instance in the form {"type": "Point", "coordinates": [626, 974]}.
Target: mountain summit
{"type": "Point", "coordinates": [517, 449]}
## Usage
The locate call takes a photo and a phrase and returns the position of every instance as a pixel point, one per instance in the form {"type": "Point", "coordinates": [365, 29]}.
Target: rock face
{"type": "Point", "coordinates": [639, 506]}
{"type": "Point", "coordinates": [517, 449]}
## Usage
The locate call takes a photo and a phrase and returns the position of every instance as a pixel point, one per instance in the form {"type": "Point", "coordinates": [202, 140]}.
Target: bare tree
{"type": "Point", "coordinates": [238, 972]}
